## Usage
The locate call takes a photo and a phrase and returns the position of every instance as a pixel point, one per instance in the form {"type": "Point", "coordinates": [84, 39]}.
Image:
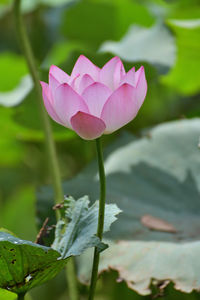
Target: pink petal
{"type": "Point", "coordinates": [112, 72]}
{"type": "Point", "coordinates": [138, 73]}
{"type": "Point", "coordinates": [53, 84]}
{"type": "Point", "coordinates": [120, 108]}
{"type": "Point", "coordinates": [129, 77]}
{"type": "Point", "coordinates": [87, 126]}
{"type": "Point", "coordinates": [73, 81]}
{"type": "Point", "coordinates": [48, 102]}
{"type": "Point", "coordinates": [67, 102]}
{"type": "Point", "coordinates": [141, 86]}
{"type": "Point", "coordinates": [77, 83]}
{"type": "Point", "coordinates": [59, 74]}
{"type": "Point", "coordinates": [95, 96]}
{"type": "Point", "coordinates": [84, 66]}
{"type": "Point", "coordinates": [85, 81]}
{"type": "Point", "coordinates": [57, 77]}
{"type": "Point", "coordinates": [118, 73]}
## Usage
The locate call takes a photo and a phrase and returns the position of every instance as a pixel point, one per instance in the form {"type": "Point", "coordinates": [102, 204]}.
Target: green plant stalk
{"type": "Point", "coordinates": [100, 227]}
{"type": "Point", "coordinates": [50, 145]}
{"type": "Point", "coordinates": [27, 50]}
{"type": "Point", "coordinates": [21, 297]}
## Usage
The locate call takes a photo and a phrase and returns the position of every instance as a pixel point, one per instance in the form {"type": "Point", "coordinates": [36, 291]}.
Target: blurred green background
{"type": "Point", "coordinates": [164, 36]}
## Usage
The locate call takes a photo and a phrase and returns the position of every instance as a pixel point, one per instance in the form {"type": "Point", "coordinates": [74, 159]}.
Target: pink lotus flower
{"type": "Point", "coordinates": [94, 101]}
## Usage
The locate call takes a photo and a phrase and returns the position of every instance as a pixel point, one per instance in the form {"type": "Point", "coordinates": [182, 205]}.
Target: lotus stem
{"type": "Point", "coordinates": [100, 227]}
{"type": "Point", "coordinates": [21, 296]}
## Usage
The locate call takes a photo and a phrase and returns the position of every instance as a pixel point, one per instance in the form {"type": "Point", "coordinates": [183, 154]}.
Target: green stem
{"type": "Point", "coordinates": [50, 145]}
{"type": "Point", "coordinates": [30, 59]}
{"type": "Point", "coordinates": [71, 280]}
{"type": "Point", "coordinates": [20, 296]}
{"type": "Point", "coordinates": [100, 228]}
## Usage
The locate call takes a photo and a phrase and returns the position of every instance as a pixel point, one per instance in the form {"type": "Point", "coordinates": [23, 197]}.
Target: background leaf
{"type": "Point", "coordinates": [151, 176]}
{"type": "Point", "coordinates": [17, 95]}
{"type": "Point", "coordinates": [13, 68]}
{"type": "Point", "coordinates": [154, 45]}
{"type": "Point", "coordinates": [22, 202]}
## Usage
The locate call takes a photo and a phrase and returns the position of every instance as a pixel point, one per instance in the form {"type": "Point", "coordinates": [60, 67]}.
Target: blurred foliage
{"type": "Point", "coordinates": [18, 205]}
{"type": "Point", "coordinates": [60, 30]}
{"type": "Point", "coordinates": [13, 67]}
{"type": "Point", "coordinates": [186, 69]}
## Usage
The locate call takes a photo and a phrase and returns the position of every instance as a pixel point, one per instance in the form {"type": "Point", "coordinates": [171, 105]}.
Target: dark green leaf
{"type": "Point", "coordinates": [25, 265]}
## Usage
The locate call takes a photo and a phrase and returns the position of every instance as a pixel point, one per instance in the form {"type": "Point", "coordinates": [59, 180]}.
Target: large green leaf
{"type": "Point", "coordinates": [155, 181]}
{"type": "Point", "coordinates": [25, 265]}
{"type": "Point", "coordinates": [157, 188]}
{"type": "Point", "coordinates": [154, 45]}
